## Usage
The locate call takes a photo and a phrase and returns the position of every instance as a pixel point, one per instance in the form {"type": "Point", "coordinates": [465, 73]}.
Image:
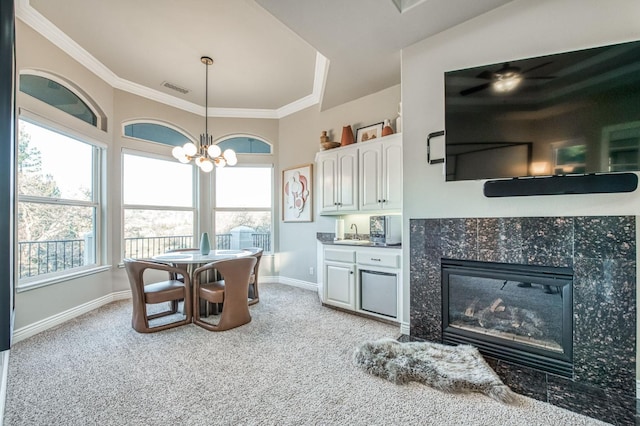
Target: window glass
{"type": "Point", "coordinates": [155, 133]}
{"type": "Point", "coordinates": [151, 232]}
{"type": "Point", "coordinates": [245, 145]}
{"type": "Point", "coordinates": [243, 207]}
{"type": "Point", "coordinates": [53, 165]}
{"type": "Point", "coordinates": [243, 187]}
{"type": "Point", "coordinates": [159, 210]}
{"type": "Point", "coordinates": [57, 202]}
{"type": "Point", "coordinates": [236, 229]}
{"type": "Point", "coordinates": [58, 96]}
{"type": "Point", "coordinates": [150, 181]}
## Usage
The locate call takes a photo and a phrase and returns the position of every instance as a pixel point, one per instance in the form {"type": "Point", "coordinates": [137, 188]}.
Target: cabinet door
{"type": "Point", "coordinates": [392, 175]}
{"type": "Point", "coordinates": [370, 177]}
{"type": "Point", "coordinates": [347, 193]}
{"type": "Point", "coordinates": [339, 282]}
{"type": "Point", "coordinates": [327, 174]}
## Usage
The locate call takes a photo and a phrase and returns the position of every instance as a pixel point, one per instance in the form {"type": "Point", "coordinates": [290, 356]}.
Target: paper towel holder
{"type": "Point", "coordinates": [339, 231]}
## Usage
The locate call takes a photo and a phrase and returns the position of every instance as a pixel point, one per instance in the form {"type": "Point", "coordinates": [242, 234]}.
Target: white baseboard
{"type": "Point", "coordinates": [405, 328]}
{"type": "Point", "coordinates": [42, 325]}
{"type": "Point", "coordinates": [307, 285]}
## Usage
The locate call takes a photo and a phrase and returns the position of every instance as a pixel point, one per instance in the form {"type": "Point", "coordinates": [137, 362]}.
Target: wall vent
{"type": "Point", "coordinates": [175, 87]}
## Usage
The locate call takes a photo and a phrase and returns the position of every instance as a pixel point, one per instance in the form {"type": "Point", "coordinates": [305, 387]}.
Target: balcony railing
{"type": "Point", "coordinates": [262, 240]}
{"type": "Point", "coordinates": [145, 247]}
{"type": "Point", "coordinates": [44, 257]}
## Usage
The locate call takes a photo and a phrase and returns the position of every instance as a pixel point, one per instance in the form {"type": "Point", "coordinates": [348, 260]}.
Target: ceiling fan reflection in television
{"type": "Point", "coordinates": [505, 79]}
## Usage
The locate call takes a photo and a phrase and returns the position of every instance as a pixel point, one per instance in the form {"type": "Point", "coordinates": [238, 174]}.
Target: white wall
{"type": "Point", "coordinates": [517, 30]}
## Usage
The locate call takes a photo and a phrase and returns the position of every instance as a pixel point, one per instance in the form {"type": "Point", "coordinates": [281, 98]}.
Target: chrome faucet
{"type": "Point", "coordinates": [353, 225]}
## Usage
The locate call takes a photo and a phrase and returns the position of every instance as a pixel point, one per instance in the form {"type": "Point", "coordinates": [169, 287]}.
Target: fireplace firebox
{"type": "Point", "coordinates": [519, 313]}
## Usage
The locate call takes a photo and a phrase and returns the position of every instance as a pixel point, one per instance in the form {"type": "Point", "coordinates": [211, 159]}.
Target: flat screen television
{"type": "Point", "coordinates": [573, 113]}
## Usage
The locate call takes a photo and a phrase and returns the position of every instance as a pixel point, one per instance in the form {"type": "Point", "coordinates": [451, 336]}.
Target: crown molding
{"type": "Point", "coordinates": [42, 25]}
{"type": "Point", "coordinates": [315, 98]}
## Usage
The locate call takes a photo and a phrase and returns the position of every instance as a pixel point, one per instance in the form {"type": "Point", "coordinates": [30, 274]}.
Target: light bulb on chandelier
{"type": "Point", "coordinates": [206, 153]}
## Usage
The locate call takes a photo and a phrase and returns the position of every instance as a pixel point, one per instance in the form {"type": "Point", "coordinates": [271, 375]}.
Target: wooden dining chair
{"type": "Point", "coordinates": [230, 292]}
{"type": "Point", "coordinates": [254, 297]}
{"type": "Point", "coordinates": [143, 294]}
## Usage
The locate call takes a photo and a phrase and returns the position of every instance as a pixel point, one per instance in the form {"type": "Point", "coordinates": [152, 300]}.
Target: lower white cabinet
{"type": "Point", "coordinates": [363, 279]}
{"type": "Point", "coordinates": [340, 284]}
{"type": "Point", "coordinates": [339, 277]}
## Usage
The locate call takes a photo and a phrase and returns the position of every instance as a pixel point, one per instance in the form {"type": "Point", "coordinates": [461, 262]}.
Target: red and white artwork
{"type": "Point", "coordinates": [296, 194]}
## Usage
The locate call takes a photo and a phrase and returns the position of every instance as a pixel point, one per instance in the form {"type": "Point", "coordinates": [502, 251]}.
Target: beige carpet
{"type": "Point", "coordinates": [292, 365]}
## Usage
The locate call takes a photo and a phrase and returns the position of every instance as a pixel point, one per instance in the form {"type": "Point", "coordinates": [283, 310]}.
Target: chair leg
{"type": "Point", "coordinates": [253, 295]}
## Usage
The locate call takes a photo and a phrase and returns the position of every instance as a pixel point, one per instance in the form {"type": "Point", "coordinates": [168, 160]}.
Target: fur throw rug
{"type": "Point", "coordinates": [447, 368]}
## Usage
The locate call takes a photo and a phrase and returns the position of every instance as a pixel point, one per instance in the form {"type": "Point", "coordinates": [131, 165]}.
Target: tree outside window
{"type": "Point", "coordinates": [57, 202]}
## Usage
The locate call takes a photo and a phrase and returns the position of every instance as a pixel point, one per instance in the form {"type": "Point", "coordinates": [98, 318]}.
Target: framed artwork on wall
{"type": "Point", "coordinates": [297, 197]}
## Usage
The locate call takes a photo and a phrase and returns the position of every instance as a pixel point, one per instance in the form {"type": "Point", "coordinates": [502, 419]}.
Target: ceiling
{"type": "Point", "coordinates": [271, 57]}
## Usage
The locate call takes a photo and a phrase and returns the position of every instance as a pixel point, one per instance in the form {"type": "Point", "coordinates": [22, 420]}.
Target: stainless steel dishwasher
{"type": "Point", "coordinates": [379, 292]}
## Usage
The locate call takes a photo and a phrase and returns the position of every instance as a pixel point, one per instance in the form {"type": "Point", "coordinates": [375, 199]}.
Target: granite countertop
{"type": "Point", "coordinates": [327, 238]}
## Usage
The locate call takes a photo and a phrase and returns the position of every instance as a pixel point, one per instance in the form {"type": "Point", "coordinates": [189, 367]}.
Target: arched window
{"type": "Point", "coordinates": [58, 96]}
{"type": "Point", "coordinates": [59, 176]}
{"type": "Point", "coordinates": [246, 145]}
{"type": "Point", "coordinates": [155, 132]}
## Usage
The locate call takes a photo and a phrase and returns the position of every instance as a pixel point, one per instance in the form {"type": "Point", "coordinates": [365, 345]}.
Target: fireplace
{"type": "Point", "coordinates": [601, 252]}
{"type": "Point", "coordinates": [518, 313]}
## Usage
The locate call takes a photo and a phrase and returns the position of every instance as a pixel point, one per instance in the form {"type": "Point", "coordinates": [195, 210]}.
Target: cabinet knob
{"type": "Point", "coordinates": [351, 272]}
{"type": "Point", "coordinates": [379, 201]}
{"type": "Point", "coordinates": [384, 201]}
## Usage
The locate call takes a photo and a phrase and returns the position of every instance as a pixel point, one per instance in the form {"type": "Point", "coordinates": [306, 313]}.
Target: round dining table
{"type": "Point", "coordinates": [193, 257]}
{"type": "Point", "coordinates": [190, 260]}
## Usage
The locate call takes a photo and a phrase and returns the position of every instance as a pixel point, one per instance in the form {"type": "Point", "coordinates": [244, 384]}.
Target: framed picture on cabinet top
{"type": "Point", "coordinates": [373, 131]}
{"type": "Point", "coordinates": [297, 194]}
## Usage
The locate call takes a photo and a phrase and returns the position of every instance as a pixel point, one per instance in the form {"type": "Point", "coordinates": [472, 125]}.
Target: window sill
{"type": "Point", "coordinates": [31, 285]}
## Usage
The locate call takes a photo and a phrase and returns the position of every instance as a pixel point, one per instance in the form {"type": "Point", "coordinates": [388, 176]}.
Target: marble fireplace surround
{"type": "Point", "coordinates": [602, 252]}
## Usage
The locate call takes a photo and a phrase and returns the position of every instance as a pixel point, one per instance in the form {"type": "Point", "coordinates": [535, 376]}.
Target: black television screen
{"type": "Point", "coordinates": [563, 114]}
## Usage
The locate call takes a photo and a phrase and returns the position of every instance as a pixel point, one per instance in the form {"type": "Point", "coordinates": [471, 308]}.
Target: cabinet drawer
{"type": "Point", "coordinates": [340, 255]}
{"type": "Point", "coordinates": [389, 260]}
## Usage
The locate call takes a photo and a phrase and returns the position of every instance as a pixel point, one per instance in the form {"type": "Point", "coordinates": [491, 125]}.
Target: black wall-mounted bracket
{"type": "Point", "coordinates": [429, 137]}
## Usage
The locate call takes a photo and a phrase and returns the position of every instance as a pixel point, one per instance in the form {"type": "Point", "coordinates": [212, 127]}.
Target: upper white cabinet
{"type": "Point", "coordinates": [381, 174]}
{"type": "Point", "coordinates": [338, 180]}
{"type": "Point", "coordinates": [366, 176]}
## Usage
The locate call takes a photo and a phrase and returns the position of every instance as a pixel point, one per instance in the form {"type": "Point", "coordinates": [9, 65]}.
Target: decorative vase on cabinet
{"type": "Point", "coordinates": [347, 136]}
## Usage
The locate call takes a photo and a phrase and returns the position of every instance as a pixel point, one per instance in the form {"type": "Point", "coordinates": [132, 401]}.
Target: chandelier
{"type": "Point", "coordinates": [206, 153]}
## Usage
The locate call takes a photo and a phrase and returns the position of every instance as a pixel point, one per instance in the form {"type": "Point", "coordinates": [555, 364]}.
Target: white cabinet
{"type": "Point", "coordinates": [339, 275]}
{"type": "Point", "coordinates": [366, 280]}
{"type": "Point", "coordinates": [380, 174]}
{"type": "Point", "coordinates": [366, 176]}
{"type": "Point", "coordinates": [338, 180]}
